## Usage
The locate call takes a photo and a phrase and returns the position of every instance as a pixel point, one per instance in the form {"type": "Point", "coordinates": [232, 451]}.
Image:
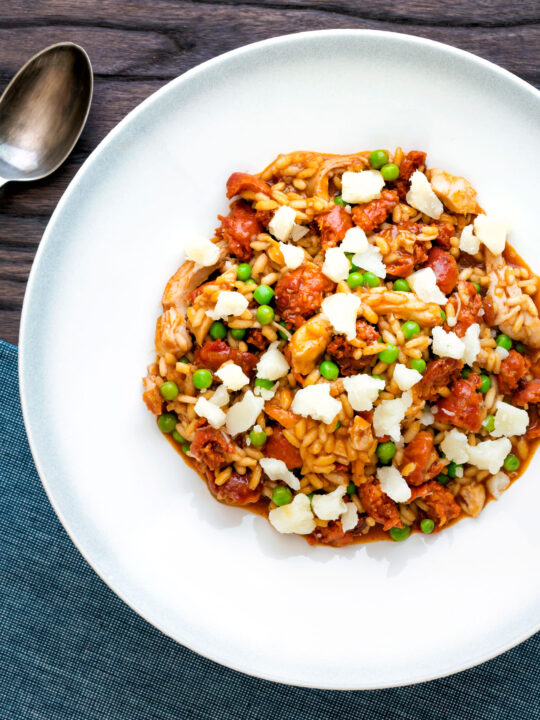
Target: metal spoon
{"type": "Point", "coordinates": [43, 111]}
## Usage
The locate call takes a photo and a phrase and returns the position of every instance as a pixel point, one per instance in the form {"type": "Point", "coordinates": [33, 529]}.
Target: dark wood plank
{"type": "Point", "coordinates": [137, 46]}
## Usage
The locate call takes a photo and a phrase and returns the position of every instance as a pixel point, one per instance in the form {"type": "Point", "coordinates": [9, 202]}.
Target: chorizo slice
{"type": "Point", "coordinates": [379, 506]}
{"type": "Point", "coordinates": [236, 490]}
{"type": "Point", "coordinates": [211, 447]}
{"type": "Point", "coordinates": [369, 215]}
{"type": "Point", "coordinates": [333, 225]}
{"type": "Point", "coordinates": [513, 369]}
{"type": "Point", "coordinates": [299, 294]}
{"type": "Point", "coordinates": [277, 446]}
{"type": "Point", "coordinates": [463, 407]}
{"type": "Point", "coordinates": [445, 268]}
{"type": "Point", "coordinates": [240, 182]}
{"type": "Point", "coordinates": [239, 228]}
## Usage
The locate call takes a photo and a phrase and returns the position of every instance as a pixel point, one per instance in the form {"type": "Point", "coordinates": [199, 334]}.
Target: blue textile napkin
{"type": "Point", "coordinates": [71, 650]}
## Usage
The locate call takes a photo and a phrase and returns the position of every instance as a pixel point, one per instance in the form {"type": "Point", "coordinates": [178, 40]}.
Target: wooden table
{"type": "Point", "coordinates": [136, 46]}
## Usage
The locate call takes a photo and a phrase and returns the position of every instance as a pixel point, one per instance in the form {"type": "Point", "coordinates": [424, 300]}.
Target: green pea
{"type": "Point", "coordinates": [466, 372]}
{"type": "Point", "coordinates": [453, 469]}
{"type": "Point", "coordinates": [185, 360]}
{"type": "Point", "coordinates": [263, 383]}
{"type": "Point", "coordinates": [179, 438]}
{"type": "Point", "coordinates": [389, 354]}
{"type": "Point", "coordinates": [377, 377]}
{"type": "Point", "coordinates": [401, 285]}
{"type": "Point", "coordinates": [399, 534]}
{"type": "Point", "coordinates": [443, 316]}
{"type": "Point", "coordinates": [340, 201]}
{"type": "Point", "coordinates": [511, 463]}
{"type": "Point", "coordinates": [185, 448]}
{"type": "Point", "coordinates": [257, 437]}
{"type": "Point", "coordinates": [477, 286]}
{"type": "Point", "coordinates": [504, 342]}
{"type": "Point", "coordinates": [520, 347]}
{"type": "Point", "coordinates": [202, 379]}
{"type": "Point", "coordinates": [351, 488]}
{"type": "Point", "coordinates": [338, 425]}
{"type": "Point", "coordinates": [410, 329]}
{"type": "Point", "coordinates": [386, 451]}
{"type": "Point", "coordinates": [263, 294]}
{"type": "Point", "coordinates": [169, 390]}
{"type": "Point", "coordinates": [238, 333]}
{"type": "Point", "coordinates": [167, 422]}
{"type": "Point", "coordinates": [281, 495]}
{"type": "Point", "coordinates": [488, 424]}
{"type": "Point", "coordinates": [265, 314]}
{"type": "Point", "coordinates": [329, 370]}
{"type": "Point", "coordinates": [442, 478]}
{"type": "Point", "coordinates": [310, 496]}
{"type": "Point", "coordinates": [251, 281]}
{"type": "Point", "coordinates": [371, 280]}
{"type": "Point", "coordinates": [378, 158]}
{"type": "Point", "coordinates": [427, 526]}
{"type": "Point", "coordinates": [281, 334]}
{"type": "Point", "coordinates": [218, 330]}
{"type": "Point", "coordinates": [243, 272]}
{"type": "Point", "coordinates": [486, 384]}
{"type": "Point", "coordinates": [390, 171]}
{"type": "Point", "coordinates": [355, 279]}
{"type": "Point", "coordinates": [418, 364]}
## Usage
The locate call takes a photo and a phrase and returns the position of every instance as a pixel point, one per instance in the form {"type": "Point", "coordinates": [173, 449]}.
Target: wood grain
{"type": "Point", "coordinates": [136, 46]}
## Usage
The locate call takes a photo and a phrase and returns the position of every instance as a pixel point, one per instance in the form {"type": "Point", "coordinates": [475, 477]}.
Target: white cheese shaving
{"type": "Point", "coordinates": [393, 484]}
{"type": "Point", "coordinates": [233, 377]}
{"type": "Point", "coordinates": [272, 364]}
{"type": "Point", "coordinates": [349, 519]}
{"type": "Point", "coordinates": [315, 401]}
{"type": "Point", "coordinates": [296, 517]}
{"type": "Point", "coordinates": [220, 396]}
{"type": "Point", "coordinates": [203, 252]}
{"type": "Point", "coordinates": [228, 303]}
{"type": "Point", "coordinates": [244, 413]}
{"type": "Point", "coordinates": [455, 446]}
{"type": "Point", "coordinates": [451, 321]}
{"type": "Point", "coordinates": [427, 417]}
{"type": "Point", "coordinates": [422, 197]}
{"type": "Point", "coordinates": [497, 484]}
{"type": "Point", "coordinates": [298, 232]}
{"type": "Point", "coordinates": [371, 259]}
{"type": "Point", "coordinates": [389, 414]}
{"type": "Point", "coordinates": [472, 344]}
{"type": "Point", "coordinates": [362, 391]}
{"type": "Point", "coordinates": [468, 242]}
{"type": "Point", "coordinates": [503, 352]}
{"type": "Point", "coordinates": [487, 455]}
{"type": "Point", "coordinates": [277, 470]}
{"type": "Point", "coordinates": [424, 284]}
{"type": "Point", "coordinates": [447, 344]}
{"type": "Point", "coordinates": [341, 310]}
{"type": "Point", "coordinates": [361, 187]}
{"type": "Point", "coordinates": [336, 265]}
{"type": "Point", "coordinates": [281, 225]}
{"type": "Point", "coordinates": [492, 232]}
{"type": "Point", "coordinates": [206, 409]}
{"type": "Point", "coordinates": [293, 256]}
{"type": "Point", "coordinates": [355, 241]}
{"type": "Point", "coordinates": [509, 420]}
{"type": "Point", "coordinates": [490, 454]}
{"type": "Point", "coordinates": [406, 377]}
{"type": "Point", "coordinates": [329, 506]}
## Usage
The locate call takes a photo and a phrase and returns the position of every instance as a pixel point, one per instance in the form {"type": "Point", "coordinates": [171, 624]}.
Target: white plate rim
{"type": "Point", "coordinates": [24, 364]}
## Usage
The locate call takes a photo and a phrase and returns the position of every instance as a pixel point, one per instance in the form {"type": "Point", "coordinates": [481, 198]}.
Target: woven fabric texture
{"type": "Point", "coordinates": [71, 650]}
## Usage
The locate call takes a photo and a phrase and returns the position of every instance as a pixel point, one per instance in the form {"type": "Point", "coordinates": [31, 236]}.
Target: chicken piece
{"type": "Point", "coordinates": [187, 278]}
{"type": "Point", "coordinates": [151, 395]}
{"type": "Point", "coordinates": [457, 194]}
{"type": "Point", "coordinates": [286, 418]}
{"type": "Point", "coordinates": [405, 306]}
{"type": "Point", "coordinates": [172, 335]}
{"type": "Point", "coordinates": [472, 499]}
{"type": "Point", "coordinates": [503, 314]}
{"type": "Point", "coordinates": [308, 344]}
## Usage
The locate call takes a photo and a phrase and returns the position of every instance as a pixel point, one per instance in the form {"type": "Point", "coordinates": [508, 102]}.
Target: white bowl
{"type": "Point", "coordinates": [218, 579]}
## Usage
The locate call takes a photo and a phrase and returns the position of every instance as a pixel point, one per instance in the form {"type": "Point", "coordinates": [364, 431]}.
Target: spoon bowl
{"type": "Point", "coordinates": [43, 111]}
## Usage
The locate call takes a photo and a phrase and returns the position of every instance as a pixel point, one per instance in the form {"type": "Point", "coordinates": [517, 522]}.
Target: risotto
{"type": "Point", "coordinates": [354, 353]}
